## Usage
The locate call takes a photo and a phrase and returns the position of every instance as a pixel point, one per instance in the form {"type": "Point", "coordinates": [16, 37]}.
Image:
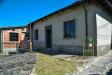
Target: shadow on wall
{"type": "Point", "coordinates": [110, 72]}
{"type": "Point", "coordinates": [24, 44]}
{"type": "Point", "coordinates": [21, 43]}
{"type": "Point", "coordinates": [53, 52]}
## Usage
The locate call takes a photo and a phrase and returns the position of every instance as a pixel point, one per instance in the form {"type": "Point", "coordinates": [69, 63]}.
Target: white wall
{"type": "Point", "coordinates": [104, 28]}
{"type": "Point", "coordinates": [57, 22]}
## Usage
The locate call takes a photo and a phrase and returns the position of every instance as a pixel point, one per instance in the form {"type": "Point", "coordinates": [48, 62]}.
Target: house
{"type": "Point", "coordinates": [12, 38]}
{"type": "Point", "coordinates": [84, 26]}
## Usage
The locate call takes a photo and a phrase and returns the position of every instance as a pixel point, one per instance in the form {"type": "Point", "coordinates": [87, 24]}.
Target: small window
{"type": "Point", "coordinates": [36, 34]}
{"type": "Point", "coordinates": [14, 36]}
{"type": "Point", "coordinates": [69, 29]}
{"type": "Point", "coordinates": [27, 36]}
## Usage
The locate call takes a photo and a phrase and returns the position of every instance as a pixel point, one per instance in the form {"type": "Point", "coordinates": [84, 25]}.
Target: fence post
{"type": "Point", "coordinates": [17, 47]}
{"type": "Point", "coordinates": [93, 46]}
{"type": "Point", "coordinates": [83, 49]}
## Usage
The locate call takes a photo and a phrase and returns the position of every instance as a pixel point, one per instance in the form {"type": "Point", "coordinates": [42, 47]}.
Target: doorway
{"type": "Point", "coordinates": [48, 32]}
{"type": "Point", "coordinates": [0, 41]}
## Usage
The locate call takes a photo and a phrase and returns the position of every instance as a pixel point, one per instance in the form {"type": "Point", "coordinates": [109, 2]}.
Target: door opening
{"type": "Point", "coordinates": [48, 31]}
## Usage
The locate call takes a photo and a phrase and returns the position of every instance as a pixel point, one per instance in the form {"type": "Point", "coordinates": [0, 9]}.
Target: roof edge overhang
{"type": "Point", "coordinates": [10, 28]}
{"type": "Point", "coordinates": [105, 3]}
{"type": "Point", "coordinates": [109, 3]}
{"type": "Point", "coordinates": [67, 7]}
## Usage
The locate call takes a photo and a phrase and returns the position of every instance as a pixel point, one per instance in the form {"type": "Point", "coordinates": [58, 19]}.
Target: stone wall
{"type": "Point", "coordinates": [19, 64]}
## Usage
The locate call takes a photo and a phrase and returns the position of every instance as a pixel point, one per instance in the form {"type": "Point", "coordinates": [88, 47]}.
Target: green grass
{"type": "Point", "coordinates": [88, 53]}
{"type": "Point", "coordinates": [48, 65]}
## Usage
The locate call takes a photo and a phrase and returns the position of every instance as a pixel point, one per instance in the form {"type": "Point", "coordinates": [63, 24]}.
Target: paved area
{"type": "Point", "coordinates": [99, 67]}
{"type": "Point", "coordinates": [33, 72]}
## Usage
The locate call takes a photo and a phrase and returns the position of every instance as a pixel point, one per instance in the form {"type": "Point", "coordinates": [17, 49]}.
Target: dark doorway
{"type": "Point", "coordinates": [109, 73]}
{"type": "Point", "coordinates": [0, 41]}
{"type": "Point", "coordinates": [48, 31]}
{"type": "Point", "coordinates": [111, 45]}
{"type": "Point", "coordinates": [111, 42]}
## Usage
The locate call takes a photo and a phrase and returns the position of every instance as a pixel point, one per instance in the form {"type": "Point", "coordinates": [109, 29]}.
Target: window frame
{"type": "Point", "coordinates": [27, 35]}
{"type": "Point", "coordinates": [65, 36]}
{"type": "Point", "coordinates": [10, 36]}
{"type": "Point", "coordinates": [36, 34]}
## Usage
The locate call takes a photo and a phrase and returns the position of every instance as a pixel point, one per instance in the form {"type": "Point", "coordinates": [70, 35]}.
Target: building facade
{"type": "Point", "coordinates": [71, 28]}
{"type": "Point", "coordinates": [12, 39]}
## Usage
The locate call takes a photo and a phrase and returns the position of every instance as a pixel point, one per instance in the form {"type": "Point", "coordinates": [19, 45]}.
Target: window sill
{"type": "Point", "coordinates": [35, 40]}
{"type": "Point", "coordinates": [13, 41]}
{"type": "Point", "coordinates": [67, 38]}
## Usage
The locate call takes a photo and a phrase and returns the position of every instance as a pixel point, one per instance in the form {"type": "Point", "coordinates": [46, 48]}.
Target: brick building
{"type": "Point", "coordinates": [12, 38]}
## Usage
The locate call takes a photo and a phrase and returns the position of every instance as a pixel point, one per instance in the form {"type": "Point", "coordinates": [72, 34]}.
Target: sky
{"type": "Point", "coordinates": [21, 12]}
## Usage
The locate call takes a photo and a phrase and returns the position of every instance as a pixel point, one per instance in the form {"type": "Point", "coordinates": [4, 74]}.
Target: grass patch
{"type": "Point", "coordinates": [88, 53]}
{"type": "Point", "coordinates": [48, 65]}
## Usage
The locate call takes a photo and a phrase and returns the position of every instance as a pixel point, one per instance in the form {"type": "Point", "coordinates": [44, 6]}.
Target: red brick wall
{"type": "Point", "coordinates": [12, 44]}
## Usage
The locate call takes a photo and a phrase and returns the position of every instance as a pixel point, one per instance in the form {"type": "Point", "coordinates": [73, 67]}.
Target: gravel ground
{"type": "Point", "coordinates": [82, 61]}
{"type": "Point", "coordinates": [100, 66]}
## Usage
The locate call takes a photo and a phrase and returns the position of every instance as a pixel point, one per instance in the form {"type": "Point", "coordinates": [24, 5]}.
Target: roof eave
{"type": "Point", "coordinates": [70, 6]}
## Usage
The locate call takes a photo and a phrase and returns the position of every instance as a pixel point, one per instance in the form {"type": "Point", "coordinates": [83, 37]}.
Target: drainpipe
{"type": "Point", "coordinates": [86, 23]}
{"type": "Point", "coordinates": [1, 43]}
{"type": "Point", "coordinates": [30, 36]}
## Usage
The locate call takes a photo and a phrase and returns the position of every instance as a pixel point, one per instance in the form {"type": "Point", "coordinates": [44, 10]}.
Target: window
{"type": "Point", "coordinates": [69, 29]}
{"type": "Point", "coordinates": [36, 34]}
{"type": "Point", "coordinates": [14, 36]}
{"type": "Point", "coordinates": [27, 36]}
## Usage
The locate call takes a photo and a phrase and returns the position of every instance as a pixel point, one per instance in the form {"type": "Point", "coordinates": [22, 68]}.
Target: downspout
{"type": "Point", "coordinates": [86, 24]}
{"type": "Point", "coordinates": [32, 37]}
{"type": "Point", "coordinates": [30, 28]}
{"type": "Point", "coordinates": [1, 43]}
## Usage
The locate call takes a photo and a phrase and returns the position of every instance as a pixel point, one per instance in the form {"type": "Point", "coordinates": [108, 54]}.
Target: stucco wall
{"type": "Point", "coordinates": [104, 29]}
{"type": "Point", "coordinates": [73, 45]}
